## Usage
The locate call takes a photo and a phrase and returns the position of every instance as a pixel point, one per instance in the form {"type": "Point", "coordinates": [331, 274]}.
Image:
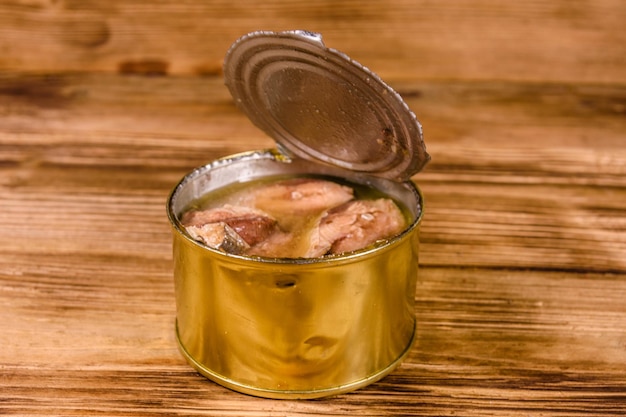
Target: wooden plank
{"type": "Point", "coordinates": [490, 342]}
{"type": "Point", "coordinates": [549, 202]}
{"type": "Point", "coordinates": [198, 112]}
{"type": "Point", "coordinates": [520, 295]}
{"type": "Point", "coordinates": [477, 40]}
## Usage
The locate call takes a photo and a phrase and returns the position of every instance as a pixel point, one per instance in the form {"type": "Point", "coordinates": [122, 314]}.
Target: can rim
{"type": "Point", "coordinates": [334, 258]}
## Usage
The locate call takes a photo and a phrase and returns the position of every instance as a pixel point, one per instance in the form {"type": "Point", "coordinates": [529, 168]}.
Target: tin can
{"type": "Point", "coordinates": [305, 327]}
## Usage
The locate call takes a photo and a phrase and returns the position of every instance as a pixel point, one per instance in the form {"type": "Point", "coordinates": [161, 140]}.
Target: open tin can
{"type": "Point", "coordinates": [303, 327]}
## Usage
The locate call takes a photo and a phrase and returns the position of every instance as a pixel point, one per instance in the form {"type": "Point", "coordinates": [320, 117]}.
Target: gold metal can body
{"type": "Point", "coordinates": [293, 328]}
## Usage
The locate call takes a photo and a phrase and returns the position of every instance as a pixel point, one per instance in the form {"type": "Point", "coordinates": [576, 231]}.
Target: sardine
{"type": "Point", "coordinates": [218, 235]}
{"type": "Point", "coordinates": [355, 225]}
{"type": "Point", "coordinates": [250, 225]}
{"type": "Point", "coordinates": [301, 196]}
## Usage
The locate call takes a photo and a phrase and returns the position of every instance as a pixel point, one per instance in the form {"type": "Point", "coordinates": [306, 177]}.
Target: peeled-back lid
{"type": "Point", "coordinates": [320, 105]}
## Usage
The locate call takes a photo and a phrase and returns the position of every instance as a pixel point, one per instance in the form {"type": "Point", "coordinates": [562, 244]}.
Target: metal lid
{"type": "Point", "coordinates": [320, 105]}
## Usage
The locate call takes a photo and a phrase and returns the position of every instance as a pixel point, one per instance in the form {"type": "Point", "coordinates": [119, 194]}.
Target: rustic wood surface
{"type": "Point", "coordinates": [521, 298]}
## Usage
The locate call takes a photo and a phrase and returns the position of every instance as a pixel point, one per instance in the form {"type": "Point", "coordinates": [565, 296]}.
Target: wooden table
{"type": "Point", "coordinates": [521, 298]}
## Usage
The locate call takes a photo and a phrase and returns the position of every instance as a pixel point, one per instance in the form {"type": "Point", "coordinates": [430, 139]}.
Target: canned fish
{"type": "Point", "coordinates": [317, 316]}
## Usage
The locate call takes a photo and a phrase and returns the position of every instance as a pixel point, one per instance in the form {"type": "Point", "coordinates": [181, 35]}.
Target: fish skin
{"type": "Point", "coordinates": [253, 226]}
{"type": "Point", "coordinates": [301, 196]}
{"type": "Point", "coordinates": [355, 225]}
{"type": "Point", "coordinates": [219, 235]}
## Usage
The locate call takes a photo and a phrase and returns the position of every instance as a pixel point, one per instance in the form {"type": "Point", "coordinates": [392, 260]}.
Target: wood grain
{"type": "Point", "coordinates": [577, 41]}
{"type": "Point", "coordinates": [520, 297]}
